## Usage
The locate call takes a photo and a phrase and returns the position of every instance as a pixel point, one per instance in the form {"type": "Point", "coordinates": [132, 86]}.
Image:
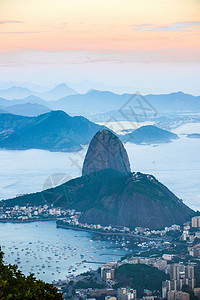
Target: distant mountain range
{"type": "Point", "coordinates": [30, 99]}
{"type": "Point", "coordinates": [148, 134]}
{"type": "Point", "coordinates": [194, 135]}
{"type": "Point", "coordinates": [26, 109]}
{"type": "Point", "coordinates": [17, 92]}
{"type": "Point", "coordinates": [103, 105]}
{"type": "Point", "coordinates": [2, 111]}
{"type": "Point", "coordinates": [131, 105]}
{"type": "Point", "coordinates": [54, 131]}
{"type": "Point", "coordinates": [91, 102]}
{"type": "Point", "coordinates": [58, 92]}
{"type": "Point", "coordinates": [57, 131]}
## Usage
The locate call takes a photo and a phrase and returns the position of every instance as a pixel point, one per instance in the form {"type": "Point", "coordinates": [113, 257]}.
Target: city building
{"type": "Point", "coordinates": [173, 295]}
{"type": "Point", "coordinates": [126, 294]}
{"type": "Point", "coordinates": [196, 222]}
{"type": "Point", "coordinates": [197, 292]}
{"type": "Point", "coordinates": [108, 274]}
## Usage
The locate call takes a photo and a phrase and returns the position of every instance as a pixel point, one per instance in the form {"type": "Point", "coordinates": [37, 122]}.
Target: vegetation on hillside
{"type": "Point", "coordinates": [140, 277]}
{"type": "Point", "coordinates": [14, 285]}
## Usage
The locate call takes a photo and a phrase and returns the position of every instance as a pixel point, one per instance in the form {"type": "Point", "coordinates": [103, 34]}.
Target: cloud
{"type": "Point", "coordinates": [180, 26]}
{"type": "Point", "coordinates": [11, 22]}
{"type": "Point", "coordinates": [22, 32]}
{"type": "Point", "coordinates": [56, 27]}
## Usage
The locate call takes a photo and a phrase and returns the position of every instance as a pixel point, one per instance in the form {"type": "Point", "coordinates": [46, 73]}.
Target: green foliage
{"type": "Point", "coordinates": [174, 234]}
{"type": "Point", "coordinates": [186, 289]}
{"type": "Point", "coordinates": [88, 273]}
{"type": "Point", "coordinates": [88, 284]}
{"type": "Point", "coordinates": [178, 249]}
{"type": "Point", "coordinates": [140, 277]}
{"type": "Point", "coordinates": [14, 285]}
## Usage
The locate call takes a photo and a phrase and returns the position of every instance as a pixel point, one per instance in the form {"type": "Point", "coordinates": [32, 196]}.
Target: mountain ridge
{"type": "Point", "coordinates": [54, 131]}
{"type": "Point", "coordinates": [104, 101]}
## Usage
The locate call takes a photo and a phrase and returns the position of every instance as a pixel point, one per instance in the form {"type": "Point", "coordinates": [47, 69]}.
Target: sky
{"type": "Point", "coordinates": [135, 45]}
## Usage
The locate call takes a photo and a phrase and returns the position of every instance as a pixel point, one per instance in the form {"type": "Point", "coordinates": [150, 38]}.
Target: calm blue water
{"type": "Point", "coordinates": [177, 165]}
{"type": "Point", "coordinates": [49, 252]}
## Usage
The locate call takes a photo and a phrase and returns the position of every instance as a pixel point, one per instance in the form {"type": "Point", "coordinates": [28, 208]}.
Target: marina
{"type": "Point", "coordinates": [52, 253]}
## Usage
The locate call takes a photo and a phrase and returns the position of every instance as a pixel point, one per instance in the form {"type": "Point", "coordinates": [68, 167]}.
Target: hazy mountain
{"type": "Point", "coordinates": [16, 92]}
{"type": "Point", "coordinates": [32, 86]}
{"type": "Point", "coordinates": [29, 106]}
{"type": "Point", "coordinates": [149, 134]}
{"type": "Point", "coordinates": [194, 135]}
{"type": "Point", "coordinates": [55, 131]}
{"type": "Point", "coordinates": [29, 99]}
{"type": "Point", "coordinates": [5, 102]}
{"type": "Point", "coordinates": [174, 102]}
{"type": "Point", "coordinates": [86, 85]}
{"type": "Point", "coordinates": [95, 102]}
{"type": "Point", "coordinates": [34, 99]}
{"type": "Point", "coordinates": [58, 92]}
{"type": "Point", "coordinates": [2, 111]}
{"type": "Point", "coordinates": [27, 109]}
{"type": "Point", "coordinates": [92, 101]}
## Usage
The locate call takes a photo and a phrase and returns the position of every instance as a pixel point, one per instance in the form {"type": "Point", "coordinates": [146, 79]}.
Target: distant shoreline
{"type": "Point", "coordinates": [106, 233]}
{"type": "Point", "coordinates": [90, 230]}
{"type": "Point", "coordinates": [28, 221]}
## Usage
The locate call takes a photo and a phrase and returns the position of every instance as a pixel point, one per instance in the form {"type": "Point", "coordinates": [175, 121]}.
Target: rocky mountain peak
{"type": "Point", "coordinates": [106, 151]}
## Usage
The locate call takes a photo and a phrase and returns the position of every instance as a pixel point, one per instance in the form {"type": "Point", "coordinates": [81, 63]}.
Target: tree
{"type": "Point", "coordinates": [15, 285]}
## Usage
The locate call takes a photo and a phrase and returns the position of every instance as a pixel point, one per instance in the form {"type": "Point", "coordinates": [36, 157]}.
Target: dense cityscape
{"type": "Point", "coordinates": [174, 251]}
{"type": "Point", "coordinates": [183, 268]}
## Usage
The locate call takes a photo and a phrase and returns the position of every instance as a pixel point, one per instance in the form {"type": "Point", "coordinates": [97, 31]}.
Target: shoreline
{"type": "Point", "coordinates": [106, 233]}
{"type": "Point", "coordinates": [28, 221]}
{"type": "Point", "coordinates": [79, 228]}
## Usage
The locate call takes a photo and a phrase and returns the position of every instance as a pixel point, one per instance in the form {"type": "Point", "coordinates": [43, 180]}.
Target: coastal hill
{"type": "Point", "coordinates": [54, 131]}
{"type": "Point", "coordinates": [194, 135]}
{"type": "Point", "coordinates": [149, 134]}
{"type": "Point", "coordinates": [109, 197]}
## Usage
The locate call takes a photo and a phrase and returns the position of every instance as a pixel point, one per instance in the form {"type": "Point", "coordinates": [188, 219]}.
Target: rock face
{"type": "Point", "coordinates": [106, 152]}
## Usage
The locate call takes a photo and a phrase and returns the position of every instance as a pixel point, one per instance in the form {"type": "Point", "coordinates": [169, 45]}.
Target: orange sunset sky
{"type": "Point", "coordinates": [139, 45]}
